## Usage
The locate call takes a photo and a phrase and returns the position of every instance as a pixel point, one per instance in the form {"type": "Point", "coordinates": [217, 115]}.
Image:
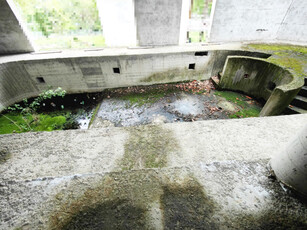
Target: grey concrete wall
{"type": "Point", "coordinates": [259, 20]}
{"type": "Point", "coordinates": [13, 38]}
{"type": "Point", "coordinates": [261, 79]}
{"type": "Point", "coordinates": [294, 25]}
{"type": "Point", "coordinates": [19, 78]}
{"type": "Point", "coordinates": [158, 22]}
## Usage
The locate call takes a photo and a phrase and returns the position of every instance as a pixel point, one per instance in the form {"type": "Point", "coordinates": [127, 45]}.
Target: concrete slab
{"type": "Point", "coordinates": [206, 173]}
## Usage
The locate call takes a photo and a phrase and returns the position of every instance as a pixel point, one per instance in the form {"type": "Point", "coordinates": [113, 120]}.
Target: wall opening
{"type": "Point", "coordinates": [271, 85]}
{"type": "Point", "coordinates": [116, 70]}
{"type": "Point", "coordinates": [62, 24]}
{"type": "Point", "coordinates": [199, 21]}
{"type": "Point", "coordinates": [40, 80]}
{"type": "Point", "coordinates": [192, 66]}
{"type": "Point", "coordinates": [201, 53]}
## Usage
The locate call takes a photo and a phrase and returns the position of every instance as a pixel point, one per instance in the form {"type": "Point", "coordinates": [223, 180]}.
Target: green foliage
{"type": "Point", "coordinates": [58, 16]}
{"type": "Point", "coordinates": [198, 7]}
{"type": "Point", "coordinates": [23, 117]}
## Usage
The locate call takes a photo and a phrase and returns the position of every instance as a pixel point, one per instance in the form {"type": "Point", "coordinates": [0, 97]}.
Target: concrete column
{"type": "Point", "coordinates": [13, 34]}
{"type": "Point", "coordinates": [290, 166]}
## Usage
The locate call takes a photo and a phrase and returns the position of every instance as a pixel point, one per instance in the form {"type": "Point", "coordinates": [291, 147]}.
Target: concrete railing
{"type": "Point", "coordinates": [261, 79]}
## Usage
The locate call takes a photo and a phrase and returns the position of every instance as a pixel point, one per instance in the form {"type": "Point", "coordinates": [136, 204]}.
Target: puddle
{"type": "Point", "coordinates": [182, 104]}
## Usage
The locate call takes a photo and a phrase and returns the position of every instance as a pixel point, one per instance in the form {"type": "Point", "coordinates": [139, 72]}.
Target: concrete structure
{"type": "Point", "coordinates": [215, 175]}
{"type": "Point", "coordinates": [261, 20]}
{"type": "Point", "coordinates": [24, 76]}
{"type": "Point", "coordinates": [261, 79]}
{"type": "Point", "coordinates": [13, 38]}
{"type": "Point", "coordinates": [144, 22]}
{"type": "Point", "coordinates": [290, 165]}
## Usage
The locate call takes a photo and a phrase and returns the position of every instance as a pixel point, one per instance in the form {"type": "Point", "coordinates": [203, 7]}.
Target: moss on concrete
{"type": "Point", "coordinates": [186, 206]}
{"type": "Point", "coordinates": [4, 155]}
{"type": "Point", "coordinates": [289, 56]}
{"type": "Point", "coordinates": [245, 109]}
{"type": "Point", "coordinates": [127, 200]}
{"type": "Point", "coordinates": [148, 147]}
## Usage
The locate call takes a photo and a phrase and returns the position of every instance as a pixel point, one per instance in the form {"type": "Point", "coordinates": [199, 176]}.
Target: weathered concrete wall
{"type": "Point", "coordinates": [294, 25]}
{"type": "Point", "coordinates": [158, 22]}
{"type": "Point", "coordinates": [261, 20]}
{"type": "Point", "coordinates": [13, 38]}
{"type": "Point", "coordinates": [215, 178]}
{"type": "Point", "coordinates": [22, 78]}
{"type": "Point", "coordinates": [261, 79]}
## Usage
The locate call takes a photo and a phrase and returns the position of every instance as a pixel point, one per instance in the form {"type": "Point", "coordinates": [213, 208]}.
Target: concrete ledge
{"type": "Point", "coordinates": [217, 177]}
{"type": "Point", "coordinates": [261, 79]}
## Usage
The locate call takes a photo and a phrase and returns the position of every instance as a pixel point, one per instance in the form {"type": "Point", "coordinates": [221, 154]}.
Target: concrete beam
{"type": "Point", "coordinates": [13, 38]}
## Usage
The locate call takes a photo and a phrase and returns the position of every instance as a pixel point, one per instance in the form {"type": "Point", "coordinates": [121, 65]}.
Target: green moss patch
{"type": "Point", "coordinates": [18, 123]}
{"type": "Point", "coordinates": [288, 56]}
{"type": "Point", "coordinates": [148, 147]}
{"type": "Point", "coordinates": [247, 106]}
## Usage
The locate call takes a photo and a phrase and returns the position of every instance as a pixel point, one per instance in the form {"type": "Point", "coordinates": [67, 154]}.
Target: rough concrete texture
{"type": "Point", "coordinates": [81, 71]}
{"type": "Point", "coordinates": [13, 38]}
{"type": "Point", "coordinates": [158, 22]}
{"type": "Point", "coordinates": [261, 20]}
{"type": "Point", "coordinates": [261, 79]}
{"type": "Point", "coordinates": [214, 176]}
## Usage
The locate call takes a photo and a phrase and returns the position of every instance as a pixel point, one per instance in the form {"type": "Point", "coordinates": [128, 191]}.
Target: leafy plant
{"type": "Point", "coordinates": [28, 110]}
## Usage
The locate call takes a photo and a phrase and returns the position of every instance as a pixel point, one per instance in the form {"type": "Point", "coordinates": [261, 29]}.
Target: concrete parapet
{"type": "Point", "coordinates": [261, 79]}
{"type": "Point", "coordinates": [25, 76]}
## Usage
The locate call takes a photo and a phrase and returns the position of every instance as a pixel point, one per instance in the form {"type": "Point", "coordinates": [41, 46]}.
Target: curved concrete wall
{"type": "Point", "coordinates": [27, 76]}
{"type": "Point", "coordinates": [261, 79]}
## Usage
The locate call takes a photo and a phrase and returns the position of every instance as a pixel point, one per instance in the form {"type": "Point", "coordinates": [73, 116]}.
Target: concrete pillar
{"type": "Point", "coordinates": [144, 22]}
{"type": "Point", "coordinates": [13, 34]}
{"type": "Point", "coordinates": [290, 166]}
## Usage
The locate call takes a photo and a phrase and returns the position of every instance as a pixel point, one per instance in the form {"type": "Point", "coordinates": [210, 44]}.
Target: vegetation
{"type": "Point", "coordinates": [23, 117]}
{"type": "Point", "coordinates": [69, 18]}
{"type": "Point", "coordinates": [246, 109]}
{"type": "Point", "coordinates": [289, 56]}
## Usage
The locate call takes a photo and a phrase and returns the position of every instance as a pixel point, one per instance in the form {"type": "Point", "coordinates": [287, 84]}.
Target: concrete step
{"type": "Point", "coordinates": [295, 110]}
{"type": "Point", "coordinates": [300, 101]}
{"type": "Point", "coordinates": [303, 91]}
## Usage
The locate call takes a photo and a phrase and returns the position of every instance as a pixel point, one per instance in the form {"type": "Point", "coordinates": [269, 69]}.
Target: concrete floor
{"type": "Point", "coordinates": [200, 175]}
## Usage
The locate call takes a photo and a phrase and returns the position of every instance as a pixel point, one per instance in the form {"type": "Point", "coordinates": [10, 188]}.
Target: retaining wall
{"type": "Point", "coordinates": [20, 78]}
{"type": "Point", "coordinates": [261, 79]}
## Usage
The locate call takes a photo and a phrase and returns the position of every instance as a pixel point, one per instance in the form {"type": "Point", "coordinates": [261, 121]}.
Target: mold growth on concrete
{"type": "Point", "coordinates": [186, 206]}
{"type": "Point", "coordinates": [148, 147]}
{"type": "Point", "coordinates": [4, 154]}
{"type": "Point", "coordinates": [175, 75]}
{"type": "Point", "coordinates": [289, 56]}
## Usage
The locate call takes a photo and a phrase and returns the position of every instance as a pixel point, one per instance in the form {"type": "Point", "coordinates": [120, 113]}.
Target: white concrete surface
{"type": "Point", "coordinates": [260, 20]}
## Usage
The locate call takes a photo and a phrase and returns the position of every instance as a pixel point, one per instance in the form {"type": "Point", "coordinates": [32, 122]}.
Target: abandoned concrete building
{"type": "Point", "coordinates": [248, 173]}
